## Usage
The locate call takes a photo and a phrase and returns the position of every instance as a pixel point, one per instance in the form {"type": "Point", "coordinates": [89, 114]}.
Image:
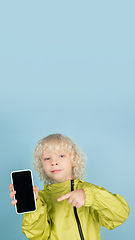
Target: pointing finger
{"type": "Point", "coordinates": [66, 196]}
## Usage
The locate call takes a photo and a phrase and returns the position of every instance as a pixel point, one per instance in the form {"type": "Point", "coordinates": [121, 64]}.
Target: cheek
{"type": "Point", "coordinates": [69, 165]}
{"type": "Point", "coordinates": [45, 165]}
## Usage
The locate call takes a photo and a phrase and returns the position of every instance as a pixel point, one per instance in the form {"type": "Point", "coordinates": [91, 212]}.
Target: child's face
{"type": "Point", "coordinates": [57, 165]}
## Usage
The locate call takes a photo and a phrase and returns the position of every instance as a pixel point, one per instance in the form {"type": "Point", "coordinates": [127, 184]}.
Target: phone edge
{"type": "Point", "coordinates": [33, 190]}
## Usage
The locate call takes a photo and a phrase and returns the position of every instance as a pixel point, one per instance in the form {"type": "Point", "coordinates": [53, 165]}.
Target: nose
{"type": "Point", "coordinates": [54, 162]}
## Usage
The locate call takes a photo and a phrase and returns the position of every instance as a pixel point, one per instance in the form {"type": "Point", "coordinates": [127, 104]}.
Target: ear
{"type": "Point", "coordinates": [73, 165]}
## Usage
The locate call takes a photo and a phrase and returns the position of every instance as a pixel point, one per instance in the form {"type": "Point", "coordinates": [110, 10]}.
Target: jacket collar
{"type": "Point", "coordinates": [57, 187]}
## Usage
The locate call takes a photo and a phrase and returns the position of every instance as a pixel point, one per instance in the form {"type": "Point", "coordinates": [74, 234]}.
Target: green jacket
{"type": "Point", "coordinates": [61, 221]}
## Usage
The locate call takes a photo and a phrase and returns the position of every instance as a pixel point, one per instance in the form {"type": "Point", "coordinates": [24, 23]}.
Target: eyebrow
{"type": "Point", "coordinates": [58, 153]}
{"type": "Point", "coordinates": [62, 152]}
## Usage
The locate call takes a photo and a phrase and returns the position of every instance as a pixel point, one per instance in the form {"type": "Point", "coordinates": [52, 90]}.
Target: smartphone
{"type": "Point", "coordinates": [23, 185]}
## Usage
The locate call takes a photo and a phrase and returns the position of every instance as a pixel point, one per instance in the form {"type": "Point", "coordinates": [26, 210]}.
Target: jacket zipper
{"type": "Point", "coordinates": [76, 215]}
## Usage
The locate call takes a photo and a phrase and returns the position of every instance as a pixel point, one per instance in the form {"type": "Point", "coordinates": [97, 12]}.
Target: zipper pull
{"type": "Point", "coordinates": [72, 185]}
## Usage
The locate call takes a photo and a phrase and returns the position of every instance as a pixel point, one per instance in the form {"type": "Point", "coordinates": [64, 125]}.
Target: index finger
{"type": "Point", "coordinates": [11, 187]}
{"type": "Point", "coordinates": [66, 196]}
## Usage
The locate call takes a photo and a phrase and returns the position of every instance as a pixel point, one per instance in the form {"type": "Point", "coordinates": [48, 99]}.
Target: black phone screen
{"type": "Point", "coordinates": [23, 185]}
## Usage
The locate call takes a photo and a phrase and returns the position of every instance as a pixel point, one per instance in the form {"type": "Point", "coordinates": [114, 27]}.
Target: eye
{"type": "Point", "coordinates": [46, 158]}
{"type": "Point", "coordinates": [62, 156]}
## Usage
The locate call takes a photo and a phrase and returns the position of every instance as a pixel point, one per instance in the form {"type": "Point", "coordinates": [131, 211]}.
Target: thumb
{"type": "Point", "coordinates": [36, 191]}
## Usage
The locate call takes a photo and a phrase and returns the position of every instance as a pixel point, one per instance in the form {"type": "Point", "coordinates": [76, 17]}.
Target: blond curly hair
{"type": "Point", "coordinates": [60, 141]}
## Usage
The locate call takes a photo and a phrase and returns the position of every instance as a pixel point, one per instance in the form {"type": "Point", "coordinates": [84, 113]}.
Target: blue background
{"type": "Point", "coordinates": [68, 67]}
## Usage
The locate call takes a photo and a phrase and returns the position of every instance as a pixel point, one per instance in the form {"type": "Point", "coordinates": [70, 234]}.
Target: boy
{"type": "Point", "coordinates": [68, 207]}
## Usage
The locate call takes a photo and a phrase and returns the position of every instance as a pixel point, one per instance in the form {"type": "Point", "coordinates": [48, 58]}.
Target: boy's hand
{"type": "Point", "coordinates": [76, 198]}
{"type": "Point", "coordinates": [36, 191]}
{"type": "Point", "coordinates": [12, 194]}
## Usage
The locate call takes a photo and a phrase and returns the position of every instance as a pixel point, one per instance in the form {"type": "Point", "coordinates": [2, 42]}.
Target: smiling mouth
{"type": "Point", "coordinates": [55, 171]}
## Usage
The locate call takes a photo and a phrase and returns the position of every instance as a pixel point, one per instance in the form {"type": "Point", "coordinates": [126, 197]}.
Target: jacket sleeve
{"type": "Point", "coordinates": [36, 225]}
{"type": "Point", "coordinates": [111, 210]}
